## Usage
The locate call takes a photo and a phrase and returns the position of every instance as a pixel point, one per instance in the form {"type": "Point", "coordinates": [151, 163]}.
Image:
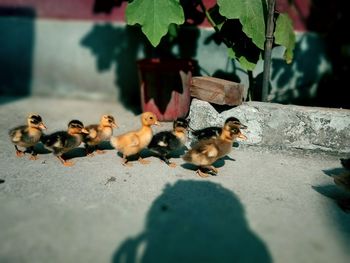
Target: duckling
{"type": "Point", "coordinates": [343, 181]}
{"type": "Point", "coordinates": [98, 133]}
{"type": "Point", "coordinates": [205, 152]}
{"type": "Point", "coordinates": [166, 142]}
{"type": "Point", "coordinates": [133, 142]}
{"type": "Point", "coordinates": [28, 136]}
{"type": "Point", "coordinates": [61, 142]}
{"type": "Point", "coordinates": [214, 132]}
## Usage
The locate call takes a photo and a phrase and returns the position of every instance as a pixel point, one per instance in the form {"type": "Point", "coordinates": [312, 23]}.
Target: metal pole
{"type": "Point", "coordinates": [267, 49]}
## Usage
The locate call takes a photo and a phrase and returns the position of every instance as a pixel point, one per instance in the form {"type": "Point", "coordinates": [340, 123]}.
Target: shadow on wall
{"type": "Point", "coordinates": [331, 91]}
{"type": "Point", "coordinates": [194, 221]}
{"type": "Point", "coordinates": [297, 83]}
{"type": "Point", "coordinates": [321, 64]}
{"type": "Point", "coordinates": [117, 48]}
{"type": "Point", "coordinates": [16, 51]}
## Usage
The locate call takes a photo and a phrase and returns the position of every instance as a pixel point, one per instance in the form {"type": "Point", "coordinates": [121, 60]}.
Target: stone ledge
{"type": "Point", "coordinates": [282, 126]}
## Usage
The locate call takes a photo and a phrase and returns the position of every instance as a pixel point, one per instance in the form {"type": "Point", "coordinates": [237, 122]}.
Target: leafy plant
{"type": "Point", "coordinates": [240, 24]}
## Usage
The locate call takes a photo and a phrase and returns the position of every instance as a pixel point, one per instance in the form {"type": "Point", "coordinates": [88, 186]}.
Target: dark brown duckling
{"type": "Point", "coordinates": [343, 181]}
{"type": "Point", "coordinates": [99, 133]}
{"type": "Point", "coordinates": [166, 142]}
{"type": "Point", "coordinates": [214, 132]}
{"type": "Point", "coordinates": [205, 152]}
{"type": "Point", "coordinates": [61, 142]}
{"type": "Point", "coordinates": [28, 136]}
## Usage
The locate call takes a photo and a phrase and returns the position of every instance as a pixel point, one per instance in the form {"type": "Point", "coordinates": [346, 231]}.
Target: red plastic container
{"type": "Point", "coordinates": [165, 87]}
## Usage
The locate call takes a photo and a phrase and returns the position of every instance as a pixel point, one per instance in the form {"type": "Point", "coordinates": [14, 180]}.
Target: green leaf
{"type": "Point", "coordinates": [245, 63]}
{"type": "Point", "coordinates": [154, 16]}
{"type": "Point", "coordinates": [285, 36]}
{"type": "Point", "coordinates": [250, 14]}
{"type": "Point", "coordinates": [231, 53]}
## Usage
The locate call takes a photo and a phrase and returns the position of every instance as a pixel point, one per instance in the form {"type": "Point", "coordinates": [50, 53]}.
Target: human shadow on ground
{"type": "Point", "coordinates": [194, 221]}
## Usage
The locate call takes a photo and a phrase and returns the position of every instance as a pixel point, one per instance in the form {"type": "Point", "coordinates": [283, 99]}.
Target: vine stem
{"type": "Point", "coordinates": [267, 49]}
{"type": "Point", "coordinates": [211, 21]}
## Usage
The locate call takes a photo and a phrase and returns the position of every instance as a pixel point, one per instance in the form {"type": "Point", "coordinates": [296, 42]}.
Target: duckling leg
{"type": "Point", "coordinates": [213, 169]}
{"type": "Point", "coordinates": [33, 157]}
{"type": "Point", "coordinates": [166, 160]}
{"type": "Point", "coordinates": [172, 165]}
{"type": "Point", "coordinates": [64, 162]}
{"type": "Point", "coordinates": [99, 151]}
{"type": "Point", "coordinates": [18, 152]}
{"type": "Point", "coordinates": [33, 154]}
{"type": "Point", "coordinates": [89, 150]}
{"type": "Point", "coordinates": [202, 174]}
{"type": "Point", "coordinates": [125, 161]}
{"type": "Point", "coordinates": [143, 161]}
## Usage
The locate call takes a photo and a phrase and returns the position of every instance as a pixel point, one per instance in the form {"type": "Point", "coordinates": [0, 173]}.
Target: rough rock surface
{"type": "Point", "coordinates": [282, 126]}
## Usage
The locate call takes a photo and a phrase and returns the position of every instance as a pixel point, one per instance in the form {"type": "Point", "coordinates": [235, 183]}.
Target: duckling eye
{"type": "Point", "coordinates": [151, 118]}
{"type": "Point", "coordinates": [235, 130]}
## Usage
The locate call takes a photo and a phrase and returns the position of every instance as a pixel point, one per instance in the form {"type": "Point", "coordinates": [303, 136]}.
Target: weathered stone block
{"type": "Point", "coordinates": [282, 126]}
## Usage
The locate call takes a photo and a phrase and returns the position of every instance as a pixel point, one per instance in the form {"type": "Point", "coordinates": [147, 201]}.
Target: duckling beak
{"type": "Point", "coordinates": [114, 125]}
{"type": "Point", "coordinates": [190, 128]}
{"type": "Point", "coordinates": [42, 126]}
{"type": "Point", "coordinates": [157, 123]}
{"type": "Point", "coordinates": [242, 136]}
{"type": "Point", "coordinates": [84, 131]}
{"type": "Point", "coordinates": [243, 126]}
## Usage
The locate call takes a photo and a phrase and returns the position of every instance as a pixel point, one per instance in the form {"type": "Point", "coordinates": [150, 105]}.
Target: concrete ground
{"type": "Point", "coordinates": [263, 206]}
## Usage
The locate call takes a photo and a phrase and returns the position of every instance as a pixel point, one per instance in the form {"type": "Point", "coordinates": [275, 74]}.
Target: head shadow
{"type": "Point", "coordinates": [186, 224]}
{"type": "Point", "coordinates": [115, 48]}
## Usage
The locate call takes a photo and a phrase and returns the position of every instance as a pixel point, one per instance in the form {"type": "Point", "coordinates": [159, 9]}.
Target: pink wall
{"type": "Point", "coordinates": [84, 9]}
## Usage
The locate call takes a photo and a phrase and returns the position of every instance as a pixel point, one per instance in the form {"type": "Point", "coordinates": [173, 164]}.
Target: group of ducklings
{"type": "Point", "coordinates": [209, 145]}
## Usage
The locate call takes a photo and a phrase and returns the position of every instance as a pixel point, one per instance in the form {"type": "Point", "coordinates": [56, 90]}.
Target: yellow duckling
{"type": "Point", "coordinates": [133, 142]}
{"type": "Point", "coordinates": [61, 142]}
{"type": "Point", "coordinates": [98, 133]}
{"type": "Point", "coordinates": [205, 152]}
{"type": "Point", "coordinates": [28, 136]}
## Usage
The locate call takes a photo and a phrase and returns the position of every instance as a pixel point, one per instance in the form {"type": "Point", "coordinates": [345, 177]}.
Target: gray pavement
{"type": "Point", "coordinates": [264, 206]}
